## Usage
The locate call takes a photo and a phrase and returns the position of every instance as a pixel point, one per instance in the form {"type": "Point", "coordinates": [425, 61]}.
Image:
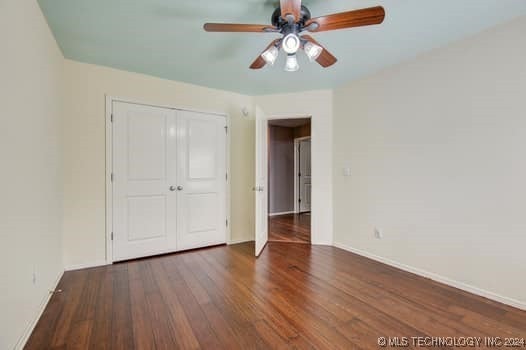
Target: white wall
{"type": "Point", "coordinates": [84, 159]}
{"type": "Point", "coordinates": [30, 174]}
{"type": "Point", "coordinates": [437, 148]}
{"type": "Point", "coordinates": [319, 105]}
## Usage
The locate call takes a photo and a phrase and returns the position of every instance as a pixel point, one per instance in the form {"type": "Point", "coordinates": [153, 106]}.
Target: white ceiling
{"type": "Point", "coordinates": [165, 38]}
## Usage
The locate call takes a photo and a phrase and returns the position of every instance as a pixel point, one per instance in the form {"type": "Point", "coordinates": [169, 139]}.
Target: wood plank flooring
{"type": "Point", "coordinates": [289, 228]}
{"type": "Point", "coordinates": [293, 296]}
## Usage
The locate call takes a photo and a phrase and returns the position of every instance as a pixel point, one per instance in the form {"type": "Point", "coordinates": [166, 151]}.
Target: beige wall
{"type": "Point", "coordinates": [437, 152]}
{"type": "Point", "coordinates": [317, 104]}
{"type": "Point", "coordinates": [30, 174]}
{"type": "Point", "coordinates": [84, 160]}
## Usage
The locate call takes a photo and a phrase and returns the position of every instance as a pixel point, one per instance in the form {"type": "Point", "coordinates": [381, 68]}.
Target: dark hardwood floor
{"type": "Point", "coordinates": [289, 228]}
{"type": "Point", "coordinates": [292, 296]}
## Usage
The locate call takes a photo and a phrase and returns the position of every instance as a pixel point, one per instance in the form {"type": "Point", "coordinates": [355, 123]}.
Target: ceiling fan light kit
{"type": "Point", "coordinates": [313, 51]}
{"type": "Point", "coordinates": [270, 55]}
{"type": "Point", "coordinates": [291, 43]}
{"type": "Point", "coordinates": [290, 20]}
{"type": "Point", "coordinates": [291, 65]}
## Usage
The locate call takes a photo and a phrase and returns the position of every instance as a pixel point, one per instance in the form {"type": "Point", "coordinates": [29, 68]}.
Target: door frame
{"type": "Point", "coordinates": [266, 187]}
{"type": "Point", "coordinates": [296, 171]}
{"type": "Point", "coordinates": [109, 165]}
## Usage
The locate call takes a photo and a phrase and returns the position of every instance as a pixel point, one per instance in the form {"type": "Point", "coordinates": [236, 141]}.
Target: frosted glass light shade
{"type": "Point", "coordinates": [291, 43]}
{"type": "Point", "coordinates": [291, 65]}
{"type": "Point", "coordinates": [312, 51]}
{"type": "Point", "coordinates": [270, 55]}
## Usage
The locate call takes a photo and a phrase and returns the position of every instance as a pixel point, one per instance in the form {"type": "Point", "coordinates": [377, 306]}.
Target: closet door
{"type": "Point", "coordinates": [144, 181]}
{"type": "Point", "coordinates": [201, 174]}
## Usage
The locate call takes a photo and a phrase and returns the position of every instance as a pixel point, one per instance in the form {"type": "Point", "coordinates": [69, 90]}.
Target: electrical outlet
{"type": "Point", "coordinates": [378, 234]}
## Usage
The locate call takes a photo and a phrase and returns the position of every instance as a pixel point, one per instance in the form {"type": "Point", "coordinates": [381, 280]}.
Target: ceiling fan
{"type": "Point", "coordinates": [291, 19]}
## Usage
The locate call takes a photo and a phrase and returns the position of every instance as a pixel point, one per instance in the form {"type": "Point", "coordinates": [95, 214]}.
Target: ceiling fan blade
{"type": "Point", "coordinates": [349, 19]}
{"type": "Point", "coordinates": [325, 59]}
{"type": "Point", "coordinates": [290, 7]}
{"type": "Point", "coordinates": [260, 62]}
{"type": "Point", "coordinates": [234, 27]}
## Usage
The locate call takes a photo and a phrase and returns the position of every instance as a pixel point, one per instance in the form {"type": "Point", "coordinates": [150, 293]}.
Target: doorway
{"type": "Point", "coordinates": [289, 180]}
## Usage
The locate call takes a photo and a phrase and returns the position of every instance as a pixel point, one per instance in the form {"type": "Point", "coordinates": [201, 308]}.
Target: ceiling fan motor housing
{"type": "Point", "coordinates": [282, 24]}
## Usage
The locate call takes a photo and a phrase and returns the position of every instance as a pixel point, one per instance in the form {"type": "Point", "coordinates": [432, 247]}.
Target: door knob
{"type": "Point", "coordinates": [179, 188]}
{"type": "Point", "coordinates": [172, 188]}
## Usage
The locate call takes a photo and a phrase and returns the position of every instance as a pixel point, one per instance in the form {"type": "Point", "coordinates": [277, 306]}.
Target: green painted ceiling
{"type": "Point", "coordinates": [164, 38]}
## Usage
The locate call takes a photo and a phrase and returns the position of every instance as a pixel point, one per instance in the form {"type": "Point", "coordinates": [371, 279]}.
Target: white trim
{"type": "Point", "coordinates": [242, 240]}
{"type": "Point", "coordinates": [296, 171]}
{"type": "Point", "coordinates": [228, 194]}
{"type": "Point", "coordinates": [31, 326]}
{"type": "Point", "coordinates": [138, 102]}
{"type": "Point", "coordinates": [109, 169]}
{"type": "Point", "coordinates": [109, 186]}
{"type": "Point", "coordinates": [86, 265]}
{"type": "Point", "coordinates": [438, 278]}
{"type": "Point", "coordinates": [282, 213]}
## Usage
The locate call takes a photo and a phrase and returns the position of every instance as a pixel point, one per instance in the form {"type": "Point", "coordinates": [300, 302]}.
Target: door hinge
{"type": "Point", "coordinates": [111, 177]}
{"type": "Point", "coordinates": [111, 236]}
{"type": "Point", "coordinates": [111, 118]}
{"type": "Point", "coordinates": [226, 176]}
{"type": "Point", "coordinates": [226, 129]}
{"type": "Point", "coordinates": [299, 200]}
{"type": "Point", "coordinates": [226, 222]}
{"type": "Point", "coordinates": [299, 174]}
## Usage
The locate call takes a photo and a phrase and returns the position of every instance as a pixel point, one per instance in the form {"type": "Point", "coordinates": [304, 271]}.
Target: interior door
{"type": "Point", "coordinates": [261, 181]}
{"type": "Point", "coordinates": [144, 171]}
{"type": "Point", "coordinates": [201, 175]}
{"type": "Point", "coordinates": [305, 175]}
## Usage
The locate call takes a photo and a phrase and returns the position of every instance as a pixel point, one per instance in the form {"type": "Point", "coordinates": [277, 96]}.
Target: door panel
{"type": "Point", "coordinates": [305, 175]}
{"type": "Point", "coordinates": [146, 217]}
{"type": "Point", "coordinates": [144, 208]}
{"type": "Point", "coordinates": [261, 182]}
{"type": "Point", "coordinates": [202, 142]}
{"type": "Point", "coordinates": [201, 147]}
{"type": "Point", "coordinates": [146, 146]}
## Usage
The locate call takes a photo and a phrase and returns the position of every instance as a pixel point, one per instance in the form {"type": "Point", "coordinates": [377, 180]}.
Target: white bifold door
{"type": "Point", "coordinates": [169, 180]}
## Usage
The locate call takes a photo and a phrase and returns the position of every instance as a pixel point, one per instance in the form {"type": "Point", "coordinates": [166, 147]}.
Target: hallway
{"type": "Point", "coordinates": [293, 228]}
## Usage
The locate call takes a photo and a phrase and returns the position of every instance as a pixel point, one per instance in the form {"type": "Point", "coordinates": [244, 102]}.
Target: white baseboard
{"type": "Point", "coordinates": [85, 266]}
{"type": "Point", "coordinates": [282, 213]}
{"type": "Point", "coordinates": [242, 240]}
{"type": "Point", "coordinates": [438, 278]}
{"type": "Point", "coordinates": [31, 326]}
